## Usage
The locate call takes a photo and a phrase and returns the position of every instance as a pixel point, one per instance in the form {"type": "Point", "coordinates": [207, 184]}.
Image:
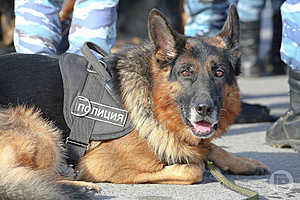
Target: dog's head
{"type": "Point", "coordinates": [194, 78]}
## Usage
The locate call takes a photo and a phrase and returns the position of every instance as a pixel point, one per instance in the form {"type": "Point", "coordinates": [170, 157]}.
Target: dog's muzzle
{"type": "Point", "coordinates": [203, 121]}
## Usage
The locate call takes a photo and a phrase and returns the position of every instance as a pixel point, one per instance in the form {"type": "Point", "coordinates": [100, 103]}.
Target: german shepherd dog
{"type": "Point", "coordinates": [180, 93]}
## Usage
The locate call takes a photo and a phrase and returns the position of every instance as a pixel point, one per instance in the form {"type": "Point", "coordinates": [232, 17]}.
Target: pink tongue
{"type": "Point", "coordinates": [202, 126]}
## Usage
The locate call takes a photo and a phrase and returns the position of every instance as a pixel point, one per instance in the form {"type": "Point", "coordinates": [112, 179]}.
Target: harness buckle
{"type": "Point", "coordinates": [76, 143]}
{"type": "Point", "coordinates": [91, 69]}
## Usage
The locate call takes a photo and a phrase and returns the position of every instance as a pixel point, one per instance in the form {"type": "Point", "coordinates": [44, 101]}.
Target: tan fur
{"type": "Point", "coordinates": [30, 141]}
{"type": "Point", "coordinates": [231, 107]}
{"type": "Point", "coordinates": [216, 41]}
{"type": "Point", "coordinates": [31, 153]}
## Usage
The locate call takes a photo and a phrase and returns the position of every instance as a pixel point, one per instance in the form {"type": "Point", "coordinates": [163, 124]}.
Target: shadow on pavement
{"type": "Point", "coordinates": [265, 95]}
{"type": "Point", "coordinates": [278, 105]}
{"type": "Point", "coordinates": [253, 128]}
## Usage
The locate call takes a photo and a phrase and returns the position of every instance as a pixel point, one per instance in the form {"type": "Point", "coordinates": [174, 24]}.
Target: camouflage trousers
{"type": "Point", "coordinates": [206, 17]}
{"type": "Point", "coordinates": [290, 45]}
{"type": "Point", "coordinates": [39, 30]}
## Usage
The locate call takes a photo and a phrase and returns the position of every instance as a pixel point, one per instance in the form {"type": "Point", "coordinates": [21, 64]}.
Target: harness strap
{"type": "Point", "coordinates": [92, 103]}
{"type": "Point", "coordinates": [82, 128]}
{"type": "Point", "coordinates": [252, 195]}
{"type": "Point", "coordinates": [96, 65]}
{"type": "Point", "coordinates": [81, 131]}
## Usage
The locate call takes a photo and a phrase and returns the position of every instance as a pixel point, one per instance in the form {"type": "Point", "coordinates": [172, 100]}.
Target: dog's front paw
{"type": "Point", "coordinates": [245, 166]}
{"type": "Point", "coordinates": [83, 185]}
{"type": "Point", "coordinates": [91, 187]}
{"type": "Point", "coordinates": [233, 164]}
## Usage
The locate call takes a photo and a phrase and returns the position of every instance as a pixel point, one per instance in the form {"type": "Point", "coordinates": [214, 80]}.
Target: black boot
{"type": "Point", "coordinates": [251, 65]}
{"type": "Point", "coordinates": [285, 132]}
{"type": "Point", "coordinates": [272, 62]}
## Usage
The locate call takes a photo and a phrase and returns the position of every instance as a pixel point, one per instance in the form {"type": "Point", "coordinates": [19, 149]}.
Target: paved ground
{"type": "Point", "coordinates": [245, 140]}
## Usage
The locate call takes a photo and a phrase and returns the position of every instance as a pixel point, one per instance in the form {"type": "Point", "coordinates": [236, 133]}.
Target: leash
{"type": "Point", "coordinates": [252, 195]}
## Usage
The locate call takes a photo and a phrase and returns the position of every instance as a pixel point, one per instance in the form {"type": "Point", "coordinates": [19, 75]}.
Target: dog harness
{"type": "Point", "coordinates": [92, 106]}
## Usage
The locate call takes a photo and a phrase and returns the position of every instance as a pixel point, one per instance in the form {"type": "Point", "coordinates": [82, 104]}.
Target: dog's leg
{"type": "Point", "coordinates": [86, 185]}
{"type": "Point", "coordinates": [173, 174]}
{"type": "Point", "coordinates": [228, 162]}
{"type": "Point", "coordinates": [130, 160]}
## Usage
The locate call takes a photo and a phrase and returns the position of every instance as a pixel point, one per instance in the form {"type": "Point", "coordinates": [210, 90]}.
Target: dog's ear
{"type": "Point", "coordinates": [162, 36]}
{"type": "Point", "coordinates": [230, 34]}
{"type": "Point", "coordinates": [231, 29]}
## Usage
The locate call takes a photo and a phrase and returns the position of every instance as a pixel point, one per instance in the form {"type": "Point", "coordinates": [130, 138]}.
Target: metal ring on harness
{"type": "Point", "coordinates": [90, 67]}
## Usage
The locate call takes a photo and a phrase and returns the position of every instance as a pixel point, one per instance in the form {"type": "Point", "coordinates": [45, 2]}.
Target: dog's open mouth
{"type": "Point", "coordinates": [203, 128]}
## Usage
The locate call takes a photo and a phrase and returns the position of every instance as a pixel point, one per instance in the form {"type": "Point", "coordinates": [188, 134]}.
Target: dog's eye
{"type": "Point", "coordinates": [186, 73]}
{"type": "Point", "coordinates": [186, 70]}
{"type": "Point", "coordinates": [219, 73]}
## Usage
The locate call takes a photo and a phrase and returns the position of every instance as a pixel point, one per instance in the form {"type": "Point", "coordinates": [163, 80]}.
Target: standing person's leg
{"type": "Point", "coordinates": [273, 63]}
{"type": "Point", "coordinates": [206, 17]}
{"type": "Point", "coordinates": [250, 19]}
{"type": "Point", "coordinates": [37, 26]}
{"type": "Point", "coordinates": [94, 21]}
{"type": "Point", "coordinates": [286, 130]}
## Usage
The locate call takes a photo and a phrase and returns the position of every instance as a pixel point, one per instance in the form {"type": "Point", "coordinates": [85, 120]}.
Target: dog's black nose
{"type": "Point", "coordinates": [204, 109]}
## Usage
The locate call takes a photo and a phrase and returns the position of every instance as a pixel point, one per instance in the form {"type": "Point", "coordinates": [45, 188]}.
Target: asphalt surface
{"type": "Point", "coordinates": [246, 140]}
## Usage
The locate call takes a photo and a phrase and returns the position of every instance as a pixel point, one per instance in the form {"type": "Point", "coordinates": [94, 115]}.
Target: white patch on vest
{"type": "Point", "coordinates": [83, 107]}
